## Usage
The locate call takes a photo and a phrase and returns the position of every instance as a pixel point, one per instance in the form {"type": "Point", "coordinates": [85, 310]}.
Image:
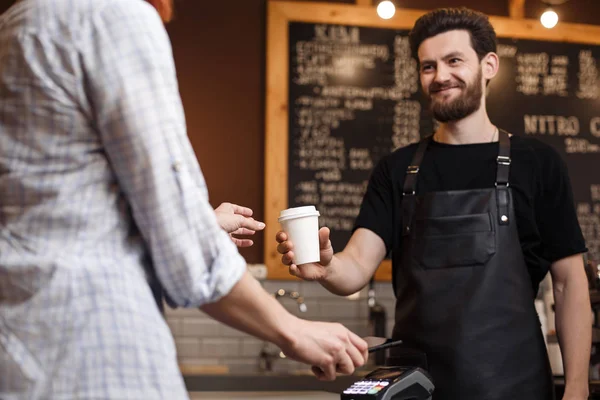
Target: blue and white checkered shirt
{"type": "Point", "coordinates": [99, 190]}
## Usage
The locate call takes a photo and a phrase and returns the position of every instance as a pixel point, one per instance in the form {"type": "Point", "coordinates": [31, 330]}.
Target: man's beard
{"type": "Point", "coordinates": [164, 8]}
{"type": "Point", "coordinates": [465, 104]}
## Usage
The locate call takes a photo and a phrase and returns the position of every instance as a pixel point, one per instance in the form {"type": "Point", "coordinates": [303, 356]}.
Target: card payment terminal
{"type": "Point", "coordinates": [392, 383]}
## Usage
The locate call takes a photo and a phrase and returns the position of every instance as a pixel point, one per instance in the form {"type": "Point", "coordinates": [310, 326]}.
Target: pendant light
{"type": "Point", "coordinates": [386, 9]}
{"type": "Point", "coordinates": [549, 17]}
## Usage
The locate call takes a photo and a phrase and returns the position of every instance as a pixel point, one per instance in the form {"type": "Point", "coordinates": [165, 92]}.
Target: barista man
{"type": "Point", "coordinates": [474, 219]}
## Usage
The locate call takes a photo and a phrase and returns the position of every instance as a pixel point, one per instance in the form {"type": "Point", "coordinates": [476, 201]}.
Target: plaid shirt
{"type": "Point", "coordinates": [100, 191]}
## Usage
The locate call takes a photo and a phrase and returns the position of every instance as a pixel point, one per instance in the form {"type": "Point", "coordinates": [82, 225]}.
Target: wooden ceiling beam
{"type": "Point", "coordinates": [516, 9]}
{"type": "Point", "coordinates": [364, 3]}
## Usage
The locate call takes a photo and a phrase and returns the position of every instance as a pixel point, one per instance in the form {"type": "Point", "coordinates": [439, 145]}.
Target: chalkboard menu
{"type": "Point", "coordinates": [354, 97]}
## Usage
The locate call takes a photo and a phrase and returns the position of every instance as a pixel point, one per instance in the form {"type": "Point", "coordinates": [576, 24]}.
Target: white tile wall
{"type": "Point", "coordinates": [203, 341]}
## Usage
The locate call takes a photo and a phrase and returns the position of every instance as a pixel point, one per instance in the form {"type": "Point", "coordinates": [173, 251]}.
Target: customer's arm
{"type": "Point", "coordinates": [132, 87]}
{"type": "Point", "coordinates": [330, 348]}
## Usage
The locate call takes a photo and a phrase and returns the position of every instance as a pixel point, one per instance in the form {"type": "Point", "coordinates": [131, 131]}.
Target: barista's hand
{"type": "Point", "coordinates": [569, 397]}
{"type": "Point", "coordinates": [237, 220]}
{"type": "Point", "coordinates": [577, 389]}
{"type": "Point", "coordinates": [577, 394]}
{"type": "Point", "coordinates": [329, 347]}
{"type": "Point", "coordinates": [312, 271]}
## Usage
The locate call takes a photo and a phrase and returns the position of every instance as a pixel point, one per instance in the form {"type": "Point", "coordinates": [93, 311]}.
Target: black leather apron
{"type": "Point", "coordinates": [464, 295]}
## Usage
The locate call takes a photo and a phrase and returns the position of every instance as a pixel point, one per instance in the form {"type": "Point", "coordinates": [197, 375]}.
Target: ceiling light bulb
{"type": "Point", "coordinates": [549, 19]}
{"type": "Point", "coordinates": [386, 9]}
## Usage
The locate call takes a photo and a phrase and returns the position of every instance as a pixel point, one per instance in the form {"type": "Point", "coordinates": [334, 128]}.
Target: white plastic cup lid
{"type": "Point", "coordinates": [298, 212]}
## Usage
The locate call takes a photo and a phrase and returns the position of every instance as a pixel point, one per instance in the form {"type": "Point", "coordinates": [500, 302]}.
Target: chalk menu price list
{"type": "Point", "coordinates": [551, 91]}
{"type": "Point", "coordinates": [353, 98]}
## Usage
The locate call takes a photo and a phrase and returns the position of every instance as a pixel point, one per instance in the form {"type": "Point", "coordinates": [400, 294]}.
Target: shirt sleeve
{"type": "Point", "coordinates": [132, 87]}
{"type": "Point", "coordinates": [555, 212]}
{"type": "Point", "coordinates": [376, 211]}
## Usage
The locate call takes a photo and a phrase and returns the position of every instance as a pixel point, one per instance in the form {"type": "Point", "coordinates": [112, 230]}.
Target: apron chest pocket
{"type": "Point", "coordinates": [454, 241]}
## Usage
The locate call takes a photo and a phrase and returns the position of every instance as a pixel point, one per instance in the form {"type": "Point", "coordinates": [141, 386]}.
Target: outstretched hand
{"type": "Point", "coordinates": [311, 271]}
{"type": "Point", "coordinates": [237, 220]}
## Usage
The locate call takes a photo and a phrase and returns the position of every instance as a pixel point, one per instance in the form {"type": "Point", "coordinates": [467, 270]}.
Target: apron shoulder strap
{"type": "Point", "coordinates": [503, 169]}
{"type": "Point", "coordinates": [410, 181]}
{"type": "Point", "coordinates": [503, 159]}
{"type": "Point", "coordinates": [410, 185]}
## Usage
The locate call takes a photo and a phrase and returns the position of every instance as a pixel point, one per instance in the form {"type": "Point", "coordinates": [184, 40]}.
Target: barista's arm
{"type": "Point", "coordinates": [573, 323]}
{"type": "Point", "coordinates": [351, 269]}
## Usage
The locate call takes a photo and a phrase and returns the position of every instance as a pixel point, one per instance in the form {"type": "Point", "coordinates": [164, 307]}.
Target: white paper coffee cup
{"type": "Point", "coordinates": [302, 227]}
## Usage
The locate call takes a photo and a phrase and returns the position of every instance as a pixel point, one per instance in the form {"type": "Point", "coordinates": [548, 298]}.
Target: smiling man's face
{"type": "Point", "coordinates": [451, 75]}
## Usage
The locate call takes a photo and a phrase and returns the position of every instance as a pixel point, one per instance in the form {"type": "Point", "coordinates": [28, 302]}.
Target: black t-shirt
{"type": "Point", "coordinates": [543, 201]}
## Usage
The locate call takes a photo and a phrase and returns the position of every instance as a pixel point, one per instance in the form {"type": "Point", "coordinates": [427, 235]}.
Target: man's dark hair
{"type": "Point", "coordinates": [483, 35]}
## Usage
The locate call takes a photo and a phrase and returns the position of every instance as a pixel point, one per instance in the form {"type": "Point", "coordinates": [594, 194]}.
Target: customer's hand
{"type": "Point", "coordinates": [311, 271]}
{"type": "Point", "coordinates": [329, 347]}
{"type": "Point", "coordinates": [237, 220]}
